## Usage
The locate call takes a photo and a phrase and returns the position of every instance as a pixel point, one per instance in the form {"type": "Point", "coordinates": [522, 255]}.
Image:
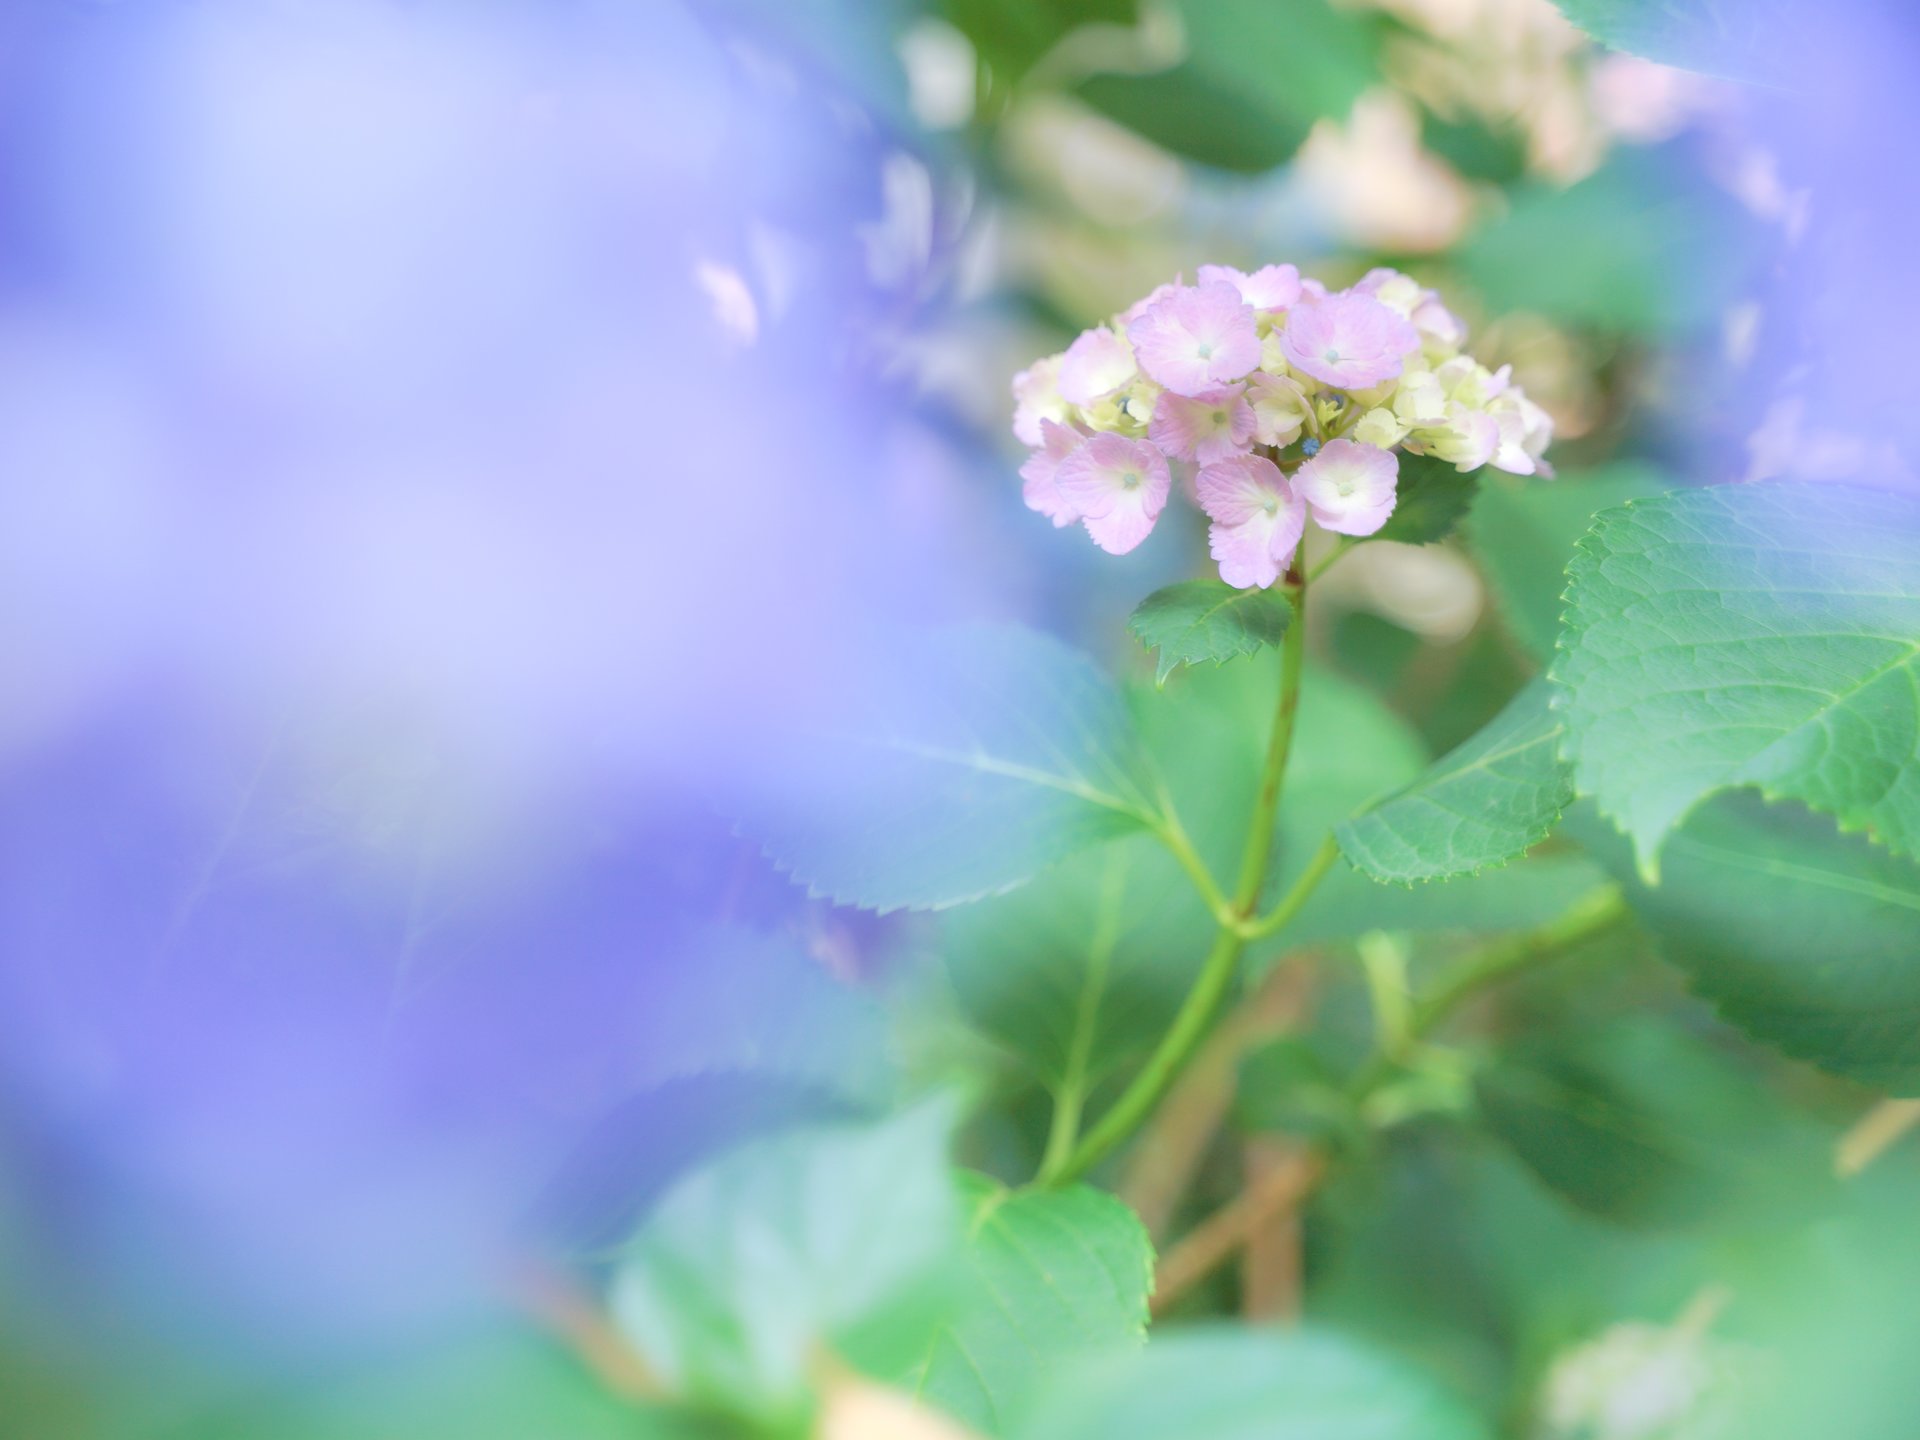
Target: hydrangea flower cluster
{"type": "Point", "coordinates": [1271, 400]}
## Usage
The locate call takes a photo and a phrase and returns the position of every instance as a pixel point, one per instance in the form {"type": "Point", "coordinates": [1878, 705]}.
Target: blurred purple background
{"type": "Point", "coordinates": [434, 439]}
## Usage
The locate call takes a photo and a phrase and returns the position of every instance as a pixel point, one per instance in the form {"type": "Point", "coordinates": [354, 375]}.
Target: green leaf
{"type": "Point", "coordinates": [980, 757]}
{"type": "Point", "coordinates": [1524, 531]}
{"type": "Point", "coordinates": [1211, 1383]}
{"type": "Point", "coordinates": [1643, 1122]}
{"type": "Point", "coordinates": [737, 1001]}
{"type": "Point", "coordinates": [1083, 968]}
{"type": "Point", "coordinates": [1801, 936]}
{"type": "Point", "coordinates": [497, 1384]}
{"type": "Point", "coordinates": [1010, 35]}
{"type": "Point", "coordinates": [1642, 246]}
{"type": "Point", "coordinates": [1051, 1275]}
{"type": "Point", "coordinates": [1256, 75]}
{"type": "Point", "coordinates": [1738, 39]}
{"type": "Point", "coordinates": [1288, 1085]}
{"type": "Point", "coordinates": [1519, 896]}
{"type": "Point", "coordinates": [1456, 1252]}
{"type": "Point", "coordinates": [1479, 149]}
{"type": "Point", "coordinates": [834, 1237]}
{"type": "Point", "coordinates": [1748, 635]}
{"type": "Point", "coordinates": [1433, 498]}
{"type": "Point", "coordinates": [1495, 797]}
{"type": "Point", "coordinates": [1208, 620]}
{"type": "Point", "coordinates": [1207, 731]}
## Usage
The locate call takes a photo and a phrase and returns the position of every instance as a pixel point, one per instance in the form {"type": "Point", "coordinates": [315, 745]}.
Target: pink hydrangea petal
{"type": "Point", "coordinates": [1245, 551]}
{"type": "Point", "coordinates": [1256, 550]}
{"type": "Point", "coordinates": [1095, 365]}
{"type": "Point", "coordinates": [1119, 486]}
{"type": "Point", "coordinates": [1231, 491]}
{"type": "Point", "coordinates": [1272, 287]}
{"type": "Point", "coordinates": [1439, 324]}
{"type": "Point", "coordinates": [1196, 339]}
{"type": "Point", "coordinates": [1349, 340]}
{"type": "Point", "coordinates": [1036, 394]}
{"type": "Point", "coordinates": [1040, 488]}
{"type": "Point", "coordinates": [1205, 427]}
{"type": "Point", "coordinates": [1350, 487]}
{"type": "Point", "coordinates": [1152, 298]}
{"type": "Point", "coordinates": [1123, 527]}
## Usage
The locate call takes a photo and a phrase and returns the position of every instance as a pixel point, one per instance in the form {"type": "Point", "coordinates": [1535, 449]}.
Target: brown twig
{"type": "Point", "coordinates": [1873, 1135]}
{"type": "Point", "coordinates": [1163, 1162]}
{"type": "Point", "coordinates": [575, 1316]}
{"type": "Point", "coordinates": [1271, 1266]}
{"type": "Point", "coordinates": [1216, 1239]}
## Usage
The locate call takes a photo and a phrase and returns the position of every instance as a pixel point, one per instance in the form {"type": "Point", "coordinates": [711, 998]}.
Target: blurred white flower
{"type": "Point", "coordinates": [1378, 186]}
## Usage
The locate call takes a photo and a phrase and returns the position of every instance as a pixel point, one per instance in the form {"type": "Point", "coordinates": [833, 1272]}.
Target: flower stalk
{"type": "Point", "coordinates": [1237, 924]}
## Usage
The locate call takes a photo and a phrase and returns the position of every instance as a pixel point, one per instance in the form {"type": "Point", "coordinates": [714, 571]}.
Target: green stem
{"type": "Point", "coordinates": [1210, 989]}
{"type": "Point", "coordinates": [1065, 1129]}
{"type": "Point", "coordinates": [1197, 1013]}
{"type": "Point", "coordinates": [1593, 914]}
{"type": "Point", "coordinates": [1273, 773]}
{"type": "Point", "coordinates": [1071, 1095]}
{"type": "Point", "coordinates": [1297, 894]}
{"type": "Point", "coordinates": [1174, 836]}
{"type": "Point", "coordinates": [1340, 548]}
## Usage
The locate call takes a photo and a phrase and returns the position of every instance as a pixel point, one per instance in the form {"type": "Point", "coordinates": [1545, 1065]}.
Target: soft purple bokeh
{"type": "Point", "coordinates": [434, 440]}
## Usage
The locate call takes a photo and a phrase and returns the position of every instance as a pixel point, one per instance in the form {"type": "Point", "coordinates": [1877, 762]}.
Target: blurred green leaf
{"type": "Point", "coordinates": [1803, 937]}
{"type": "Point", "coordinates": [1449, 1249]}
{"type": "Point", "coordinates": [1642, 1122]}
{"type": "Point", "coordinates": [832, 1237]}
{"type": "Point", "coordinates": [1644, 245]}
{"type": "Point", "coordinates": [1287, 1085]}
{"type": "Point", "coordinates": [1519, 896]}
{"type": "Point", "coordinates": [1257, 74]}
{"type": "Point", "coordinates": [1010, 35]}
{"type": "Point", "coordinates": [1207, 620]}
{"type": "Point", "coordinates": [1207, 731]}
{"type": "Point", "coordinates": [1846, 1323]}
{"type": "Point", "coordinates": [1083, 967]}
{"type": "Point", "coordinates": [1219, 1384]}
{"type": "Point", "coordinates": [1747, 635]}
{"type": "Point", "coordinates": [1050, 1275]}
{"type": "Point", "coordinates": [1433, 498]}
{"type": "Point", "coordinates": [1740, 39]}
{"type": "Point", "coordinates": [1524, 531]}
{"type": "Point", "coordinates": [1495, 797]}
{"type": "Point", "coordinates": [980, 758]}
{"type": "Point", "coordinates": [1477, 150]}
{"type": "Point", "coordinates": [742, 1002]}
{"type": "Point", "coordinates": [497, 1386]}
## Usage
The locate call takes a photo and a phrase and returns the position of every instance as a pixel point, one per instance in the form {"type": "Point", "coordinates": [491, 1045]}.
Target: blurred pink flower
{"type": "Point", "coordinates": [1096, 365]}
{"type": "Point", "coordinates": [1206, 427]}
{"type": "Point", "coordinates": [1040, 474]}
{"type": "Point", "coordinates": [1152, 298]}
{"type": "Point", "coordinates": [1196, 339]}
{"type": "Point", "coordinates": [1118, 486]}
{"type": "Point", "coordinates": [1257, 519]}
{"type": "Point", "coordinates": [1271, 287]}
{"type": "Point", "coordinates": [1349, 486]}
{"type": "Point", "coordinates": [1349, 340]}
{"type": "Point", "coordinates": [1036, 396]}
